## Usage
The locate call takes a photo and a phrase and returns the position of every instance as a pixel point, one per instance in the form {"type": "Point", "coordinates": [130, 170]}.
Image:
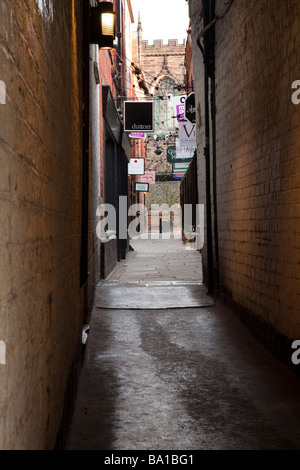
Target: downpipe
{"type": "Point", "coordinates": [207, 50]}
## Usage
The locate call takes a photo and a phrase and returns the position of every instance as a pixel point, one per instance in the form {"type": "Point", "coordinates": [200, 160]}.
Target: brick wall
{"type": "Point", "coordinates": [258, 161]}
{"type": "Point", "coordinates": [40, 206]}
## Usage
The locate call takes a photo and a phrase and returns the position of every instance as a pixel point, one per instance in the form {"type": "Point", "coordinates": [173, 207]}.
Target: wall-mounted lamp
{"type": "Point", "coordinates": [158, 151]}
{"type": "Point", "coordinates": [102, 25]}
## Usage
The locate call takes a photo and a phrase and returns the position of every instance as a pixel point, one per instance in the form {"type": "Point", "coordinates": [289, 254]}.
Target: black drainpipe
{"type": "Point", "coordinates": [214, 177]}
{"type": "Point", "coordinates": [212, 75]}
{"type": "Point", "coordinates": [209, 66]}
{"type": "Point", "coordinates": [119, 51]}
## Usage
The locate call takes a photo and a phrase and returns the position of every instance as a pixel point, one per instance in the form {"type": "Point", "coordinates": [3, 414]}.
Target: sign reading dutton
{"type": "Point", "coordinates": [138, 116]}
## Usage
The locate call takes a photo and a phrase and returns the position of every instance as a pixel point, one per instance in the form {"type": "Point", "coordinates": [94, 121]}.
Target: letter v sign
{"type": "Point", "coordinates": [189, 131]}
{"type": "Point", "coordinates": [187, 134]}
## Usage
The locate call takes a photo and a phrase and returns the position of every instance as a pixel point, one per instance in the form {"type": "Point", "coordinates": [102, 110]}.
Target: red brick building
{"type": "Point", "coordinates": [116, 84]}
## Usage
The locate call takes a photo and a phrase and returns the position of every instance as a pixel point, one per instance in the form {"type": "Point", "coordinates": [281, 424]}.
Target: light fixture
{"type": "Point", "coordinates": [102, 25]}
{"type": "Point", "coordinates": [158, 151]}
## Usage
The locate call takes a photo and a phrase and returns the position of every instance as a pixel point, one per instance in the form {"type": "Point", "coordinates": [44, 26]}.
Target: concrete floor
{"type": "Point", "coordinates": [179, 378]}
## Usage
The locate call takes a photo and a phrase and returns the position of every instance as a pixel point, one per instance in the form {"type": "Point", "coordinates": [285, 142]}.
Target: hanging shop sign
{"type": "Point", "coordinates": [171, 154]}
{"type": "Point", "coordinates": [179, 154]}
{"type": "Point", "coordinates": [178, 176]}
{"type": "Point", "coordinates": [180, 169]}
{"type": "Point", "coordinates": [187, 134]}
{"type": "Point", "coordinates": [184, 153]}
{"type": "Point", "coordinates": [137, 135]}
{"type": "Point", "coordinates": [142, 187]}
{"type": "Point", "coordinates": [138, 116]}
{"type": "Point", "coordinates": [136, 166]}
{"type": "Point", "coordinates": [190, 108]}
{"type": "Point", "coordinates": [149, 177]}
{"type": "Point", "coordinates": [179, 107]}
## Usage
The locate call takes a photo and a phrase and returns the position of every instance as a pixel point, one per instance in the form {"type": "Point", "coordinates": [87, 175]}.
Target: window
{"type": "Point", "coordinates": [163, 109]}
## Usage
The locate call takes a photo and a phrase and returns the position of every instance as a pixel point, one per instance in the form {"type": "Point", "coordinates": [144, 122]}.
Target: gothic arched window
{"type": "Point", "coordinates": [163, 110]}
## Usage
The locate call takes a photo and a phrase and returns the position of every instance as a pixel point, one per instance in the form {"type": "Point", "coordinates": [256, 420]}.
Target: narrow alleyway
{"type": "Point", "coordinates": [189, 378]}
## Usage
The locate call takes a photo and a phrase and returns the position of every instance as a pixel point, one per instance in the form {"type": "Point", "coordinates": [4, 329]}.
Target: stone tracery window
{"type": "Point", "coordinates": [163, 110]}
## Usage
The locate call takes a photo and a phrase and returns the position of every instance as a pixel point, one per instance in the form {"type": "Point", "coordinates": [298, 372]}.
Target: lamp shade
{"type": "Point", "coordinates": [102, 25]}
{"type": "Point", "coordinates": [158, 151]}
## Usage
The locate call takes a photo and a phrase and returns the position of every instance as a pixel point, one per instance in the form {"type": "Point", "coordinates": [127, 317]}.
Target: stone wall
{"type": "Point", "coordinates": [152, 60]}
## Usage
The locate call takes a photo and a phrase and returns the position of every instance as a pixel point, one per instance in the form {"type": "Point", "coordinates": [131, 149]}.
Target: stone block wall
{"type": "Point", "coordinates": [153, 56]}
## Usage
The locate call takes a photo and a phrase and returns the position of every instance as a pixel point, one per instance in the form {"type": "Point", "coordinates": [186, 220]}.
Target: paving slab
{"type": "Point", "coordinates": [187, 379]}
{"type": "Point", "coordinates": [159, 259]}
{"type": "Point", "coordinates": [148, 297]}
{"type": "Point", "coordinates": [158, 377]}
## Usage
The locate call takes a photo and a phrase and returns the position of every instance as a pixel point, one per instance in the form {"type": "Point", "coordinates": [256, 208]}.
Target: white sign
{"type": "Point", "coordinates": [136, 166]}
{"type": "Point", "coordinates": [187, 134]}
{"type": "Point", "coordinates": [178, 106]}
{"type": "Point", "coordinates": [144, 187]}
{"type": "Point", "coordinates": [184, 152]}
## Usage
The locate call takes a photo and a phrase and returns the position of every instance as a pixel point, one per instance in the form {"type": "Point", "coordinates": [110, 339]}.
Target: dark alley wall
{"type": "Point", "coordinates": [41, 302]}
{"type": "Point", "coordinates": [257, 156]}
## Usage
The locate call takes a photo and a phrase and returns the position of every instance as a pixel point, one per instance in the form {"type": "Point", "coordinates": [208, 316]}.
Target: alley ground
{"type": "Point", "coordinates": [167, 368]}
